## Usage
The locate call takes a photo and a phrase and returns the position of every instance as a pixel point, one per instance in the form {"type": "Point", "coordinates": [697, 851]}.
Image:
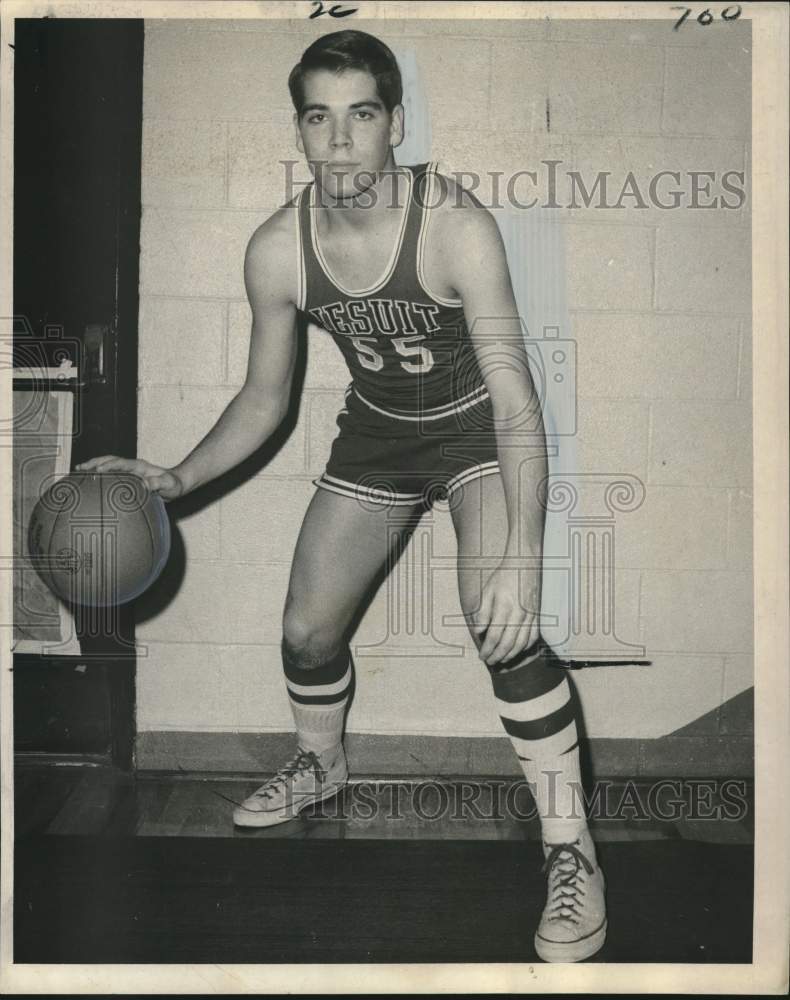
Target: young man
{"type": "Point", "coordinates": [408, 274]}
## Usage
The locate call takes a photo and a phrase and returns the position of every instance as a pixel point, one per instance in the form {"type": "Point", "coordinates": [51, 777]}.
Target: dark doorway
{"type": "Point", "coordinates": [77, 154]}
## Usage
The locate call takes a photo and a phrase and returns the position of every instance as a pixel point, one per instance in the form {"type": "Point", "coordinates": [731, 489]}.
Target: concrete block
{"type": "Point", "coordinates": [678, 688]}
{"type": "Point", "coordinates": [455, 74]}
{"type": "Point", "coordinates": [191, 253]}
{"type": "Point", "coordinates": [223, 603]}
{"type": "Point", "coordinates": [325, 366]}
{"type": "Point", "coordinates": [675, 528]}
{"type": "Point", "coordinates": [609, 267]}
{"type": "Point", "coordinates": [211, 687]}
{"type": "Point", "coordinates": [608, 32]}
{"type": "Point", "coordinates": [507, 168]}
{"type": "Point", "coordinates": [180, 685]}
{"type": "Point", "coordinates": [173, 420]}
{"type": "Point", "coordinates": [740, 530]}
{"type": "Point", "coordinates": [519, 87]}
{"type": "Point", "coordinates": [183, 163]}
{"type": "Point", "coordinates": [262, 518]}
{"type": "Point", "coordinates": [612, 437]}
{"type": "Point", "coordinates": [628, 179]}
{"type": "Point", "coordinates": [702, 612]}
{"type": "Point", "coordinates": [704, 443]}
{"type": "Point", "coordinates": [289, 460]}
{"type": "Point", "coordinates": [739, 674]}
{"type": "Point", "coordinates": [200, 533]}
{"type": "Point", "coordinates": [265, 169]}
{"type": "Point", "coordinates": [182, 342]}
{"type": "Point", "coordinates": [617, 89]}
{"type": "Point", "coordinates": [441, 696]}
{"type": "Point", "coordinates": [705, 269]}
{"type": "Point", "coordinates": [197, 74]}
{"type": "Point", "coordinates": [709, 94]}
{"type": "Point", "coordinates": [415, 613]}
{"type": "Point", "coordinates": [572, 610]}
{"type": "Point", "coordinates": [656, 357]}
{"type": "Point", "coordinates": [256, 675]}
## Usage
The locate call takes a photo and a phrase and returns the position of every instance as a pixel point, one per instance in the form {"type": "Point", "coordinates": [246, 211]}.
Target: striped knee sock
{"type": "Point", "coordinates": [318, 698]}
{"type": "Point", "coordinates": [533, 700]}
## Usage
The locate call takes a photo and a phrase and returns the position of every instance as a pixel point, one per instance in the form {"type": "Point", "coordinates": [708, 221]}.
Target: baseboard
{"type": "Point", "coordinates": [386, 755]}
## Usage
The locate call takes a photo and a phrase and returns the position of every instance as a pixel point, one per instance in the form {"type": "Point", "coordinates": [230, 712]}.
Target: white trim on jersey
{"type": "Point", "coordinates": [301, 268]}
{"type": "Point", "coordinates": [457, 406]}
{"type": "Point", "coordinates": [470, 474]}
{"type": "Point", "coordinates": [430, 173]}
{"type": "Point", "coordinates": [393, 260]}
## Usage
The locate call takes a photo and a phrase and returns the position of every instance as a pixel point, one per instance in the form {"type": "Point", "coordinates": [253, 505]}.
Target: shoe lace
{"type": "Point", "coordinates": [301, 763]}
{"type": "Point", "coordinates": [564, 865]}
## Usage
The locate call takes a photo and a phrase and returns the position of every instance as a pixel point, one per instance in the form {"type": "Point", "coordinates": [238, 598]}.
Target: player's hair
{"type": "Point", "coordinates": [350, 49]}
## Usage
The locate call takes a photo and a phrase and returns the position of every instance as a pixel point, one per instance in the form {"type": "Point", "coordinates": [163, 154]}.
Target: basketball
{"type": "Point", "coordinates": [99, 538]}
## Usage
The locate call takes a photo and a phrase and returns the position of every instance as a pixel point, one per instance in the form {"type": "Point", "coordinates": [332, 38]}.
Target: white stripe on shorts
{"type": "Point", "coordinates": [356, 492]}
{"type": "Point", "coordinates": [473, 472]}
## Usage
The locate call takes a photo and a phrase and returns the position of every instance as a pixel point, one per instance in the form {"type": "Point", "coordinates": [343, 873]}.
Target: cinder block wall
{"type": "Point", "coordinates": [659, 308]}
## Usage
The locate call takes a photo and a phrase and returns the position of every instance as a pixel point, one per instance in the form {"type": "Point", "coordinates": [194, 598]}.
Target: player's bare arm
{"type": "Point", "coordinates": [262, 402]}
{"type": "Point", "coordinates": [480, 278]}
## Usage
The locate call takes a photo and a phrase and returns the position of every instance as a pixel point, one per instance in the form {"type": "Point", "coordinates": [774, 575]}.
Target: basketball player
{"type": "Point", "coordinates": [407, 272]}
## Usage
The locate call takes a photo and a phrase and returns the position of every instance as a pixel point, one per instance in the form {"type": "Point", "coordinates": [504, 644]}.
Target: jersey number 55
{"type": "Point", "coordinates": [409, 347]}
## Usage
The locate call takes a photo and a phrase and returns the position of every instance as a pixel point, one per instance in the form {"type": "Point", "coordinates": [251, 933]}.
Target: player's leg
{"type": "Point", "coordinates": [533, 699]}
{"type": "Point", "coordinates": [342, 548]}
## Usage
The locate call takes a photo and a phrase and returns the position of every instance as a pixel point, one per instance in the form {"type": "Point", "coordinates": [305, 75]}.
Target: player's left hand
{"type": "Point", "coordinates": [508, 614]}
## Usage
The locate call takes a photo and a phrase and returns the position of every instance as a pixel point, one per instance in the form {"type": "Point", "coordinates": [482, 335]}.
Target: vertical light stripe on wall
{"type": "Point", "coordinates": [416, 145]}
{"type": "Point", "coordinates": [535, 243]}
{"type": "Point", "coordinates": [535, 246]}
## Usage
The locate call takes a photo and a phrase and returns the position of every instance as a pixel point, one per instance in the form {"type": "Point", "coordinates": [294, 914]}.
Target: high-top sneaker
{"type": "Point", "coordinates": [307, 778]}
{"type": "Point", "coordinates": [573, 924]}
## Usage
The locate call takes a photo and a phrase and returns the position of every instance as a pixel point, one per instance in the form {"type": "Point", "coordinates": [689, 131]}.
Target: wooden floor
{"type": "Point", "coordinates": [112, 868]}
{"type": "Point", "coordinates": [92, 801]}
{"type": "Point", "coordinates": [215, 900]}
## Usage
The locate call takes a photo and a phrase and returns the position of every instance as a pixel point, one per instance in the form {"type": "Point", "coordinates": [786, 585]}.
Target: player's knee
{"type": "Point", "coordinates": [307, 642]}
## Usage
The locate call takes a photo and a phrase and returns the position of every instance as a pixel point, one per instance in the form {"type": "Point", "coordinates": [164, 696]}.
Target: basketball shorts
{"type": "Point", "coordinates": [381, 458]}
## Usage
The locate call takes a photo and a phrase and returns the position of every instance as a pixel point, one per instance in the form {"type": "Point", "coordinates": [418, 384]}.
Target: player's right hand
{"type": "Point", "coordinates": [162, 481]}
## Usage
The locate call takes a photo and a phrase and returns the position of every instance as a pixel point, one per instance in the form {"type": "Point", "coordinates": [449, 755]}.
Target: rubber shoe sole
{"type": "Point", "coordinates": [254, 817]}
{"type": "Point", "coordinates": [571, 951]}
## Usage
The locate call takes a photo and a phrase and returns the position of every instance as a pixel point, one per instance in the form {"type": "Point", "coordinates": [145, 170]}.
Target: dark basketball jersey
{"type": "Point", "coordinates": [407, 349]}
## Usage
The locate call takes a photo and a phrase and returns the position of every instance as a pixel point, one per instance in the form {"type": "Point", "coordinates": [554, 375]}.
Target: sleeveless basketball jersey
{"type": "Point", "coordinates": [407, 349]}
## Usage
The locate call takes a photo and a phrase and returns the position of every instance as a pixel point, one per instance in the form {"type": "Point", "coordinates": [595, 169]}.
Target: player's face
{"type": "Point", "coordinates": [345, 132]}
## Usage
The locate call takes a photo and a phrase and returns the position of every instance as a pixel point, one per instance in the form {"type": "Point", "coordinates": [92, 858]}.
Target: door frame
{"type": "Point", "coordinates": [115, 390]}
